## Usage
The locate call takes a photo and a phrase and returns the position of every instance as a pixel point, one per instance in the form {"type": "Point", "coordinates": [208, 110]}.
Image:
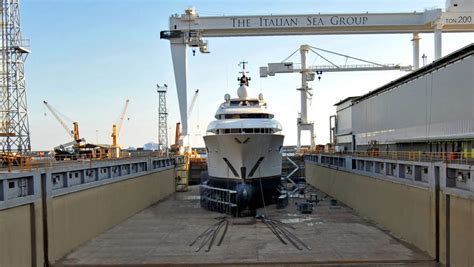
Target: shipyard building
{"type": "Point", "coordinates": [428, 110]}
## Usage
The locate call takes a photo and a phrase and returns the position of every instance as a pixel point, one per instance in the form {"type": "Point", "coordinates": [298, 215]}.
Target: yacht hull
{"type": "Point", "coordinates": [249, 164]}
{"type": "Point", "coordinates": [244, 157]}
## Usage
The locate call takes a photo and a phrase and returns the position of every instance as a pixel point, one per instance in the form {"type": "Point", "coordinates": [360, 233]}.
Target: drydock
{"type": "Point", "coordinates": [393, 187]}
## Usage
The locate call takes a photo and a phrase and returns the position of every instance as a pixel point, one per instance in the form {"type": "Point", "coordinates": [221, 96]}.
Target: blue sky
{"type": "Point", "coordinates": [88, 56]}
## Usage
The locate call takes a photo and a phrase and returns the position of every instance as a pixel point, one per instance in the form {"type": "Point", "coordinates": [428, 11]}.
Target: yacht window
{"type": "Point", "coordinates": [232, 116]}
{"type": "Point", "coordinates": [235, 130]}
{"type": "Point", "coordinates": [245, 116]}
{"type": "Point", "coordinates": [249, 130]}
{"type": "Point", "coordinates": [254, 116]}
{"type": "Point", "coordinates": [227, 131]}
{"type": "Point", "coordinates": [257, 130]}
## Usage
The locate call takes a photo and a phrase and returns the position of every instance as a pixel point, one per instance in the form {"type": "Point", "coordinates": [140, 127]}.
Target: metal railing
{"type": "Point", "coordinates": [446, 157]}
{"type": "Point", "coordinates": [218, 199]}
{"type": "Point", "coordinates": [47, 162]}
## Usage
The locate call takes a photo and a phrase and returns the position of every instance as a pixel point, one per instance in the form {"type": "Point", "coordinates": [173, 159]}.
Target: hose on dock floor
{"type": "Point", "coordinates": [210, 234]}
{"type": "Point", "coordinates": [280, 230]}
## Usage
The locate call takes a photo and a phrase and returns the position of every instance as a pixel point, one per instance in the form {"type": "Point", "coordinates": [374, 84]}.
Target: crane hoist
{"type": "Point", "coordinates": [71, 150]}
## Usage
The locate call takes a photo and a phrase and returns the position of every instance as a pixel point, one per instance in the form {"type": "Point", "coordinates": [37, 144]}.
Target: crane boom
{"type": "Point", "coordinates": [122, 117]}
{"type": "Point", "coordinates": [290, 67]}
{"type": "Point", "coordinates": [53, 111]}
{"type": "Point", "coordinates": [193, 101]}
{"type": "Point", "coordinates": [118, 126]}
{"type": "Point", "coordinates": [308, 74]}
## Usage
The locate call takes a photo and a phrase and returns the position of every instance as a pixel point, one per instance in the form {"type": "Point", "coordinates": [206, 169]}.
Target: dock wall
{"type": "Point", "coordinates": [47, 213]}
{"type": "Point", "coordinates": [423, 207]}
{"type": "Point", "coordinates": [19, 244]}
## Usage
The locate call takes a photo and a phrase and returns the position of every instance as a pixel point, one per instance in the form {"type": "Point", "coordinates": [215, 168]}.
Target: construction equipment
{"type": "Point", "coordinates": [191, 29]}
{"type": "Point", "coordinates": [177, 147]}
{"type": "Point", "coordinates": [185, 156]}
{"type": "Point", "coordinates": [193, 102]}
{"type": "Point", "coordinates": [14, 127]}
{"type": "Point", "coordinates": [116, 131]}
{"type": "Point", "coordinates": [72, 150]}
{"type": "Point", "coordinates": [308, 74]}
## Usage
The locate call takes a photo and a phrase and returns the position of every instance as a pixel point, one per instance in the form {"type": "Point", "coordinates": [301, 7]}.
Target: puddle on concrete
{"type": "Point", "coordinates": [314, 223]}
{"type": "Point", "coordinates": [296, 220]}
{"type": "Point", "coordinates": [192, 198]}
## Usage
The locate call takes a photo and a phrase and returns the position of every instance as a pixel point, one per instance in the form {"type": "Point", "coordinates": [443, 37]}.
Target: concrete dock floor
{"type": "Point", "coordinates": [160, 236]}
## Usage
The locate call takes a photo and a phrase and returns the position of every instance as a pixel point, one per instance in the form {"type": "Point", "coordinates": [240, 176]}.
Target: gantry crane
{"type": "Point", "coordinates": [71, 150]}
{"type": "Point", "coordinates": [308, 74]}
{"type": "Point", "coordinates": [191, 29]}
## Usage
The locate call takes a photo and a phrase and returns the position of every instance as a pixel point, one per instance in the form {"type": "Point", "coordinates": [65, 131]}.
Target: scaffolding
{"type": "Point", "coordinates": [218, 199]}
{"type": "Point", "coordinates": [14, 127]}
{"type": "Point", "coordinates": [162, 119]}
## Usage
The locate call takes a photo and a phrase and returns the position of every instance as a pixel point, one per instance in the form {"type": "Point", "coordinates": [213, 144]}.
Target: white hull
{"type": "Point", "coordinates": [244, 156]}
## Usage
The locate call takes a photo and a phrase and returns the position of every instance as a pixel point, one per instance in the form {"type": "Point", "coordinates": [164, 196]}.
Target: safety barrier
{"type": "Point", "coordinates": [426, 199]}
{"type": "Point", "coordinates": [47, 212]}
{"type": "Point", "coordinates": [464, 157]}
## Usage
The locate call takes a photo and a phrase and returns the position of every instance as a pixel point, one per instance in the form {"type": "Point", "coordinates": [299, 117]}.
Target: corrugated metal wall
{"type": "Point", "coordinates": [344, 121]}
{"type": "Point", "coordinates": [437, 105]}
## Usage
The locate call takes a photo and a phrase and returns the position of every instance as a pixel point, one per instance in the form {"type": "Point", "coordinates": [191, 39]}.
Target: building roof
{"type": "Point", "coordinates": [448, 59]}
{"type": "Point", "coordinates": [345, 100]}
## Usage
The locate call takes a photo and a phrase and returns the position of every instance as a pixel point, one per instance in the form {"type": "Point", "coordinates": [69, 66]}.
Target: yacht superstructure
{"type": "Point", "coordinates": [244, 147]}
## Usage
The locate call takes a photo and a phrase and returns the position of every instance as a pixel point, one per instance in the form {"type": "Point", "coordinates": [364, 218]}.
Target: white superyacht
{"type": "Point", "coordinates": [243, 147]}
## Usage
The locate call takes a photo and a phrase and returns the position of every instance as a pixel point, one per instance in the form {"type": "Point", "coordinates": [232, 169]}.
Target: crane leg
{"type": "Point", "coordinates": [178, 53]}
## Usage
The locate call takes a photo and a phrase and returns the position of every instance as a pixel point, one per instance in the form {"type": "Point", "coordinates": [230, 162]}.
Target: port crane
{"type": "Point", "coordinates": [118, 126]}
{"type": "Point", "coordinates": [191, 29]}
{"type": "Point", "coordinates": [73, 149]}
{"type": "Point", "coordinates": [308, 74]}
{"type": "Point", "coordinates": [178, 133]}
{"type": "Point", "coordinates": [193, 102]}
